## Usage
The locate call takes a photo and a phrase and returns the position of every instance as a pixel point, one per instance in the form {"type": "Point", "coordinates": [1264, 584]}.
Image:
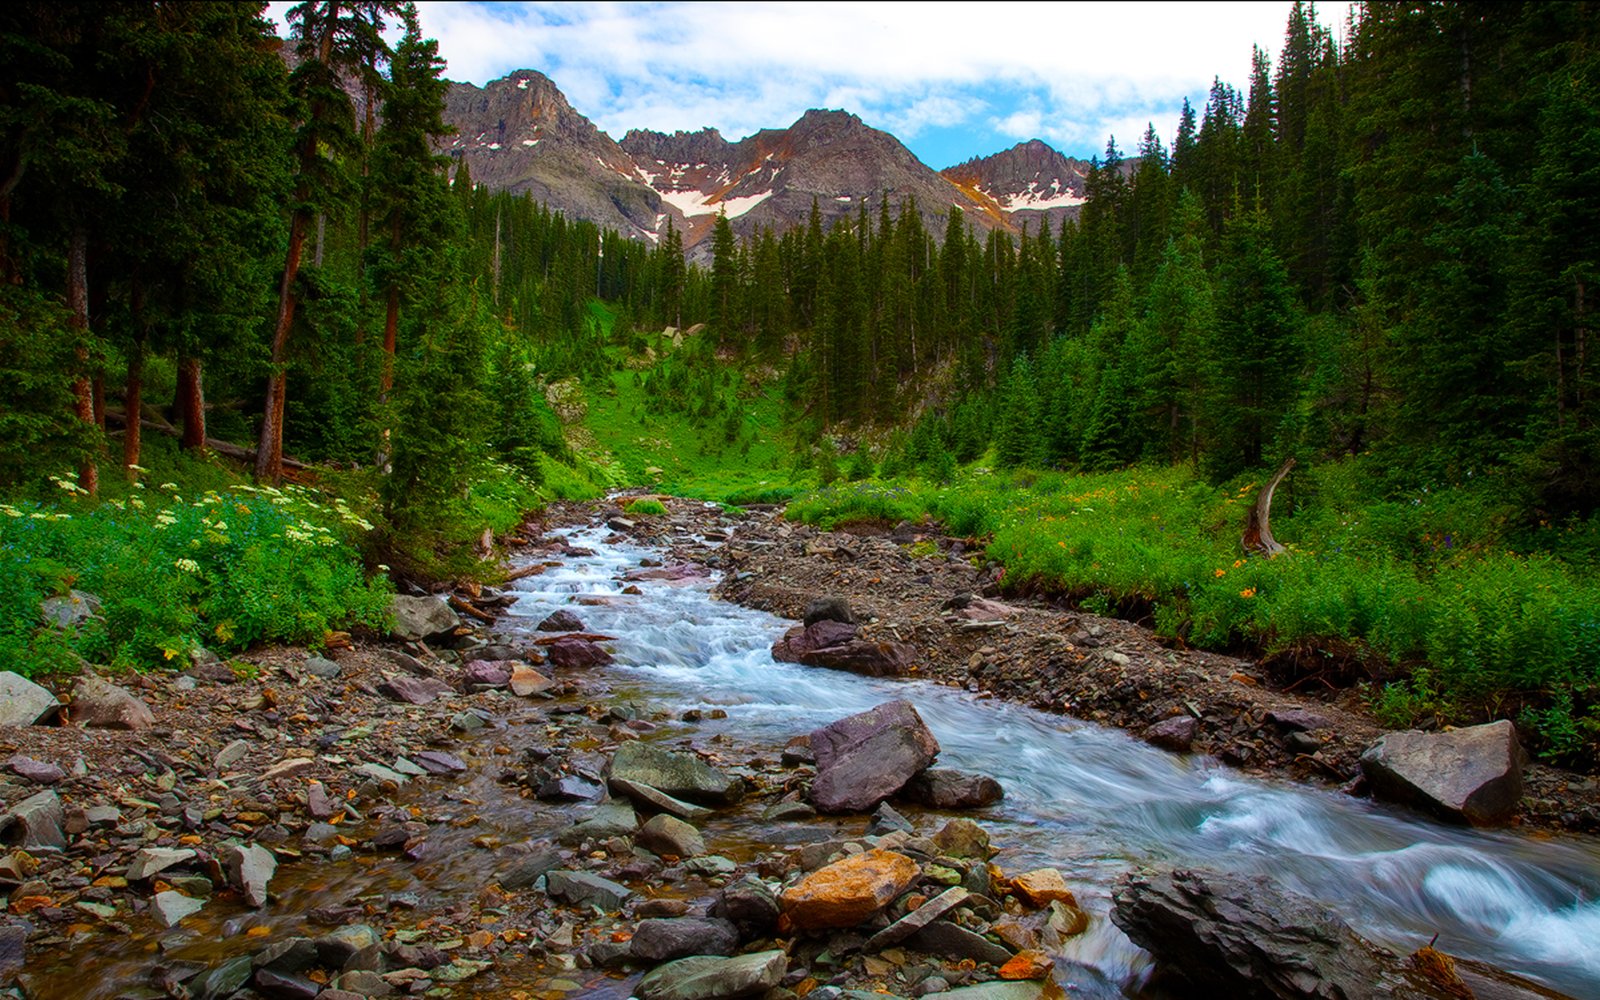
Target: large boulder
{"type": "Point", "coordinates": [848, 892]}
{"type": "Point", "coordinates": [561, 621]}
{"type": "Point", "coordinates": [22, 702]}
{"type": "Point", "coordinates": [706, 977]}
{"type": "Point", "coordinates": [39, 821]}
{"type": "Point", "coordinates": [664, 938]}
{"type": "Point", "coordinates": [681, 775]}
{"type": "Point", "coordinates": [1471, 775]}
{"type": "Point", "coordinates": [421, 618]}
{"type": "Point", "coordinates": [943, 788]}
{"type": "Point", "coordinates": [838, 646]}
{"type": "Point", "coordinates": [1244, 936]}
{"type": "Point", "coordinates": [572, 653]}
{"type": "Point", "coordinates": [104, 705]}
{"type": "Point", "coordinates": [867, 757]}
{"type": "Point", "coordinates": [70, 611]}
{"type": "Point", "coordinates": [1238, 935]}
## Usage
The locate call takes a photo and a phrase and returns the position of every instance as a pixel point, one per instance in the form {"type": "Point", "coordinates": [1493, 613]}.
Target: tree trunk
{"type": "Point", "coordinates": [269, 451]}
{"type": "Point", "coordinates": [1258, 530]}
{"type": "Point", "coordinates": [191, 404]}
{"type": "Point", "coordinates": [133, 400]}
{"type": "Point", "coordinates": [78, 320]}
{"type": "Point", "coordinates": [391, 329]}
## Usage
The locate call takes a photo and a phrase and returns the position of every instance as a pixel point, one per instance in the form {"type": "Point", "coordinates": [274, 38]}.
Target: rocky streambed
{"type": "Point", "coordinates": [600, 782]}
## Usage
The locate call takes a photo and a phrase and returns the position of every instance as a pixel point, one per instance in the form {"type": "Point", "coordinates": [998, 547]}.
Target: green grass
{"type": "Point", "coordinates": [646, 506]}
{"type": "Point", "coordinates": [1424, 590]}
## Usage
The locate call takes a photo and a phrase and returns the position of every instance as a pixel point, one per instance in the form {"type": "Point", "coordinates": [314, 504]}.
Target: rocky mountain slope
{"type": "Point", "coordinates": [1027, 182]}
{"type": "Point", "coordinates": [519, 133]}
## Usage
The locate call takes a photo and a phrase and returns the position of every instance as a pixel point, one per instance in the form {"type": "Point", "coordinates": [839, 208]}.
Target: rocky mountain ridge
{"type": "Point", "coordinates": [519, 133]}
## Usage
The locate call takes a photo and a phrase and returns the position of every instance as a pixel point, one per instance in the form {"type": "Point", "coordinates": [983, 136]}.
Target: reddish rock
{"type": "Point", "coordinates": [865, 758]}
{"type": "Point", "coordinates": [573, 653]}
{"type": "Point", "coordinates": [848, 892]}
{"type": "Point", "coordinates": [1175, 734]}
{"type": "Point", "coordinates": [1027, 965]}
{"type": "Point", "coordinates": [526, 681]}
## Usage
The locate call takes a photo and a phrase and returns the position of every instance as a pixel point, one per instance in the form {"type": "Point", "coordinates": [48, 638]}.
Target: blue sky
{"type": "Point", "coordinates": [952, 81]}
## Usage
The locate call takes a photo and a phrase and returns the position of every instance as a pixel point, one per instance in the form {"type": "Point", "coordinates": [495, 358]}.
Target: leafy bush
{"type": "Point", "coordinates": [646, 506]}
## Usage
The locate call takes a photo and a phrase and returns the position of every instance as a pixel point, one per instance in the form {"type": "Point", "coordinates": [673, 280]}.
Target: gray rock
{"type": "Point", "coordinates": [410, 664]}
{"type": "Point", "coordinates": [865, 758]}
{"type": "Point", "coordinates": [288, 956]}
{"type": "Point", "coordinates": [421, 618]}
{"type": "Point", "coordinates": [103, 705]}
{"type": "Point", "coordinates": [37, 771]}
{"type": "Point", "coordinates": [750, 905]}
{"type": "Point", "coordinates": [681, 775]}
{"type": "Point", "coordinates": [285, 986]}
{"type": "Point", "coordinates": [250, 868]}
{"type": "Point", "coordinates": [1175, 734]}
{"type": "Point", "coordinates": [152, 861]}
{"type": "Point", "coordinates": [1471, 775]}
{"type": "Point", "coordinates": [364, 982]}
{"type": "Point", "coordinates": [962, 838]}
{"type": "Point", "coordinates": [13, 952]}
{"type": "Point", "coordinates": [656, 799]}
{"type": "Point", "coordinates": [943, 788]}
{"type": "Point", "coordinates": [561, 621]}
{"type": "Point", "coordinates": [572, 653]}
{"type": "Point", "coordinates": [1001, 990]}
{"type": "Point", "coordinates": [887, 819]}
{"type": "Point", "coordinates": [704, 977]}
{"type": "Point", "coordinates": [528, 870]}
{"type": "Point", "coordinates": [414, 690]}
{"type": "Point", "coordinates": [585, 888]}
{"type": "Point", "coordinates": [1233, 935]}
{"type": "Point", "coordinates": [917, 919]}
{"type": "Point", "coordinates": [666, 938]}
{"type": "Point", "coordinates": [70, 611]}
{"type": "Point", "coordinates": [224, 980]}
{"type": "Point", "coordinates": [321, 666]}
{"type": "Point", "coordinates": [439, 762]}
{"type": "Point", "coordinates": [670, 835]}
{"type": "Point", "coordinates": [41, 820]}
{"type": "Point", "coordinates": [829, 609]}
{"type": "Point", "coordinates": [948, 940]}
{"type": "Point", "coordinates": [789, 810]}
{"type": "Point", "coordinates": [336, 948]}
{"type": "Point", "coordinates": [230, 755]}
{"type": "Point", "coordinates": [380, 774]}
{"type": "Point", "coordinates": [172, 907]}
{"type": "Point", "coordinates": [609, 819]}
{"type": "Point", "coordinates": [22, 702]}
{"type": "Point", "coordinates": [558, 787]}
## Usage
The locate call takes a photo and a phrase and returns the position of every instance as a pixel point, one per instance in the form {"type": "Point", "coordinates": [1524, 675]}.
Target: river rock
{"type": "Point", "coordinates": [1471, 775]}
{"type": "Point", "coordinates": [587, 888]}
{"type": "Point", "coordinates": [1175, 734]}
{"type": "Point", "coordinates": [22, 702]}
{"type": "Point", "coordinates": [1244, 936]}
{"type": "Point", "coordinates": [670, 835]}
{"type": "Point", "coordinates": [342, 945]}
{"type": "Point", "coordinates": [681, 775]}
{"type": "Point", "coordinates": [803, 640]}
{"type": "Point", "coordinates": [1041, 887]}
{"type": "Point", "coordinates": [37, 771]}
{"type": "Point", "coordinates": [230, 755]}
{"type": "Point", "coordinates": [750, 905]}
{"type": "Point", "coordinates": [962, 838]}
{"type": "Point", "coordinates": [950, 940]}
{"type": "Point", "coordinates": [865, 758]}
{"type": "Point", "coordinates": [223, 981]}
{"type": "Point", "coordinates": [13, 952]}
{"type": "Point", "coordinates": [529, 869]}
{"type": "Point", "coordinates": [250, 868]}
{"type": "Point", "coordinates": [561, 621]}
{"type": "Point", "coordinates": [172, 907]}
{"type": "Point", "coordinates": [440, 762]}
{"type": "Point", "coordinates": [480, 674]}
{"type": "Point", "coordinates": [321, 666]}
{"type": "Point", "coordinates": [103, 705]}
{"type": "Point", "coordinates": [285, 986]}
{"type": "Point", "coordinates": [829, 609]}
{"type": "Point", "coordinates": [414, 690]}
{"type": "Point", "coordinates": [153, 861]}
{"type": "Point", "coordinates": [40, 818]}
{"type": "Point", "coordinates": [70, 611]}
{"type": "Point", "coordinates": [527, 682]}
{"type": "Point", "coordinates": [1007, 990]}
{"type": "Point", "coordinates": [917, 919]}
{"type": "Point", "coordinates": [572, 653]}
{"type": "Point", "coordinates": [866, 657]}
{"type": "Point", "coordinates": [609, 819]}
{"type": "Point", "coordinates": [666, 938]}
{"type": "Point", "coordinates": [705, 977]}
{"type": "Point", "coordinates": [421, 618]}
{"type": "Point", "coordinates": [847, 892]}
{"type": "Point", "coordinates": [655, 798]}
{"type": "Point", "coordinates": [288, 956]}
{"type": "Point", "coordinates": [943, 788]}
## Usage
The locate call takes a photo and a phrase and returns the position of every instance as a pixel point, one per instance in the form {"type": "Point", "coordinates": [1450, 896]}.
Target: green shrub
{"type": "Point", "coordinates": [646, 506]}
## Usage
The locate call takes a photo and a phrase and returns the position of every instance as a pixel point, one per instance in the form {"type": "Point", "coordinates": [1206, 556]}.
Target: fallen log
{"type": "Point", "coordinates": [1258, 530]}
{"type": "Point", "coordinates": [217, 445]}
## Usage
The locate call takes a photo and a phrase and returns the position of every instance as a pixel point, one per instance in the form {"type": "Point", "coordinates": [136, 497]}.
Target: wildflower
{"type": "Point", "coordinates": [1248, 592]}
{"type": "Point", "coordinates": [187, 565]}
{"type": "Point", "coordinates": [1237, 563]}
{"type": "Point", "coordinates": [1219, 573]}
{"type": "Point", "coordinates": [169, 487]}
{"type": "Point", "coordinates": [164, 520]}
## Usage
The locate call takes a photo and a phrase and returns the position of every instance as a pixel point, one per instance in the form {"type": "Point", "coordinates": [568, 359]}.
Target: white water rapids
{"type": "Point", "coordinates": [1095, 802]}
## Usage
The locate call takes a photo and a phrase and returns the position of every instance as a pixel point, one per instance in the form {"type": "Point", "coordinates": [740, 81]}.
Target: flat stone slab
{"type": "Point", "coordinates": [917, 919]}
{"type": "Point", "coordinates": [582, 888]}
{"type": "Point", "coordinates": [656, 799]}
{"type": "Point", "coordinates": [22, 702]}
{"type": "Point", "coordinates": [704, 977]}
{"type": "Point", "coordinates": [673, 772]}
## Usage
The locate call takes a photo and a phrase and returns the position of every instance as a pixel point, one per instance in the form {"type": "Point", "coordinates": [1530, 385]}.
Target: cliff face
{"type": "Point", "coordinates": [1027, 182]}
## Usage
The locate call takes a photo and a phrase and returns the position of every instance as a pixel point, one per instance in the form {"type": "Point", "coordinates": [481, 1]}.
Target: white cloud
{"type": "Point", "coordinates": [742, 67]}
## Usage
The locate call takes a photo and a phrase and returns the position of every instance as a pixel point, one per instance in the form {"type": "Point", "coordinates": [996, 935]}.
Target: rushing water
{"type": "Point", "coordinates": [1094, 802]}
